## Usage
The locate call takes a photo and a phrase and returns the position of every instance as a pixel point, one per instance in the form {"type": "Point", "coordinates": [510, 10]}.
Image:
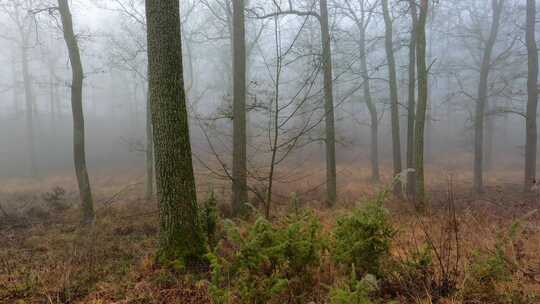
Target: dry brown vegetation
{"type": "Point", "coordinates": [46, 257]}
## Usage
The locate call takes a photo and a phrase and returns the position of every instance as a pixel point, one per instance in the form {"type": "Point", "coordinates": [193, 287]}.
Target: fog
{"type": "Point", "coordinates": [112, 42]}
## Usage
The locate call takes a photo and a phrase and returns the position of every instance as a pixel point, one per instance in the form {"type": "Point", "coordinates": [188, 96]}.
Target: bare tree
{"type": "Point", "coordinates": [411, 102]}
{"type": "Point", "coordinates": [420, 117]}
{"type": "Point", "coordinates": [532, 97]}
{"type": "Point", "coordinates": [79, 153]}
{"type": "Point", "coordinates": [481, 102]}
{"type": "Point", "coordinates": [396, 143]}
{"type": "Point", "coordinates": [239, 183]}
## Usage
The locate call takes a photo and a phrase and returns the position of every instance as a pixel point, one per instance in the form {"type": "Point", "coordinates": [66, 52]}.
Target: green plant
{"type": "Point", "coordinates": [210, 219]}
{"type": "Point", "coordinates": [363, 238]}
{"type": "Point", "coordinates": [354, 291]}
{"type": "Point", "coordinates": [486, 272]}
{"type": "Point", "coordinates": [270, 262]}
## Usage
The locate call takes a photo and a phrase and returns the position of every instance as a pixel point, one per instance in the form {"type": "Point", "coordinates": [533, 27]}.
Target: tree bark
{"type": "Point", "coordinates": [481, 102]}
{"type": "Point", "coordinates": [239, 187]}
{"type": "Point", "coordinates": [79, 154]}
{"type": "Point", "coordinates": [180, 236]}
{"type": "Point", "coordinates": [331, 182]}
{"type": "Point", "coordinates": [374, 153]}
{"type": "Point", "coordinates": [396, 144]}
{"type": "Point", "coordinates": [411, 103]}
{"type": "Point", "coordinates": [422, 104]}
{"type": "Point", "coordinates": [532, 98]}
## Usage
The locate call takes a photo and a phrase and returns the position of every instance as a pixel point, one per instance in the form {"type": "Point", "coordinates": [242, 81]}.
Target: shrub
{"type": "Point", "coordinates": [363, 238]}
{"type": "Point", "coordinates": [210, 219]}
{"type": "Point", "coordinates": [270, 263]}
{"type": "Point", "coordinates": [354, 292]}
{"type": "Point", "coordinates": [485, 273]}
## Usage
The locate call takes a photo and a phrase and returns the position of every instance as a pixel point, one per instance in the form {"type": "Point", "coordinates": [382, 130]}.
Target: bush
{"type": "Point", "coordinates": [270, 263]}
{"type": "Point", "coordinates": [363, 238]}
{"type": "Point", "coordinates": [354, 292]}
{"type": "Point", "coordinates": [486, 273]}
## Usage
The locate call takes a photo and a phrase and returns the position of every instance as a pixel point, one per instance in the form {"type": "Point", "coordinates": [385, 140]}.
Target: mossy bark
{"type": "Point", "coordinates": [420, 117]}
{"type": "Point", "coordinates": [396, 142]}
{"type": "Point", "coordinates": [79, 154]}
{"type": "Point", "coordinates": [180, 237]}
{"type": "Point", "coordinates": [330, 138]}
{"type": "Point", "coordinates": [532, 98]}
{"type": "Point", "coordinates": [239, 183]}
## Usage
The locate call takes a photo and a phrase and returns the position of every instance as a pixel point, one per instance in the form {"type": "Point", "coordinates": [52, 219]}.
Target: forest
{"type": "Point", "coordinates": [269, 151]}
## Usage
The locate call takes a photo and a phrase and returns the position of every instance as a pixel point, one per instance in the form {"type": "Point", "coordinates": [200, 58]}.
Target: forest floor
{"type": "Point", "coordinates": [46, 257]}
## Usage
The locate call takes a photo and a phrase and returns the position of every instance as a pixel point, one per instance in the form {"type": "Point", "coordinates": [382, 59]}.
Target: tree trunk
{"type": "Point", "coordinates": [180, 236]}
{"type": "Point", "coordinates": [422, 104]}
{"type": "Point", "coordinates": [411, 104]}
{"type": "Point", "coordinates": [330, 137]}
{"type": "Point", "coordinates": [29, 113]}
{"type": "Point", "coordinates": [396, 145]}
{"type": "Point", "coordinates": [79, 154]}
{"type": "Point", "coordinates": [482, 98]}
{"type": "Point", "coordinates": [374, 153]}
{"type": "Point", "coordinates": [240, 195]}
{"type": "Point", "coordinates": [532, 99]}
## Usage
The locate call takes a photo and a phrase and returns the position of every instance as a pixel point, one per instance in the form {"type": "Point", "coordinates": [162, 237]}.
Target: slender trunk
{"type": "Point", "coordinates": [481, 102]}
{"type": "Point", "coordinates": [15, 87]}
{"type": "Point", "coordinates": [275, 126]}
{"type": "Point", "coordinates": [149, 152]}
{"type": "Point", "coordinates": [29, 113]}
{"type": "Point", "coordinates": [374, 153]}
{"type": "Point", "coordinates": [52, 98]}
{"type": "Point", "coordinates": [532, 99]}
{"type": "Point", "coordinates": [489, 141]}
{"type": "Point", "coordinates": [396, 144]}
{"type": "Point", "coordinates": [330, 137]}
{"type": "Point", "coordinates": [180, 236]}
{"type": "Point", "coordinates": [422, 104]}
{"type": "Point", "coordinates": [240, 195]}
{"type": "Point", "coordinates": [411, 104]}
{"type": "Point", "coordinates": [79, 154]}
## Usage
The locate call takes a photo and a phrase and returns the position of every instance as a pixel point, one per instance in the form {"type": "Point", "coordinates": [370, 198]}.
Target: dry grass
{"type": "Point", "coordinates": [47, 258]}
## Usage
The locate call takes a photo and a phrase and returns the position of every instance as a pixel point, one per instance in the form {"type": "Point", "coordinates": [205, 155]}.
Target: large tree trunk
{"type": "Point", "coordinates": [532, 99]}
{"type": "Point", "coordinates": [79, 154]}
{"type": "Point", "coordinates": [396, 144]}
{"type": "Point", "coordinates": [180, 236]}
{"type": "Point", "coordinates": [420, 117]}
{"type": "Point", "coordinates": [411, 103]}
{"type": "Point", "coordinates": [482, 98]}
{"type": "Point", "coordinates": [239, 187]}
{"type": "Point", "coordinates": [374, 153]}
{"type": "Point", "coordinates": [328, 106]}
{"type": "Point", "coordinates": [29, 111]}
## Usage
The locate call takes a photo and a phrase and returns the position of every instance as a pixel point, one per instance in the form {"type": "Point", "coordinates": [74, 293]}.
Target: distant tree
{"type": "Point", "coordinates": [482, 99]}
{"type": "Point", "coordinates": [18, 13]}
{"type": "Point", "coordinates": [392, 77]}
{"type": "Point", "coordinates": [239, 182]}
{"type": "Point", "coordinates": [180, 236]}
{"type": "Point", "coordinates": [420, 117]}
{"type": "Point", "coordinates": [411, 104]}
{"type": "Point", "coordinates": [79, 154]}
{"type": "Point", "coordinates": [532, 97]}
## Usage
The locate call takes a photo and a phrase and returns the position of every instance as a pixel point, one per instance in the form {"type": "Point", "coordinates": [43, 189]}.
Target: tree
{"type": "Point", "coordinates": [532, 97]}
{"type": "Point", "coordinates": [420, 117]}
{"type": "Point", "coordinates": [239, 182]}
{"type": "Point", "coordinates": [411, 102]}
{"type": "Point", "coordinates": [481, 102]}
{"type": "Point", "coordinates": [180, 232]}
{"type": "Point", "coordinates": [79, 154]}
{"type": "Point", "coordinates": [330, 137]}
{"type": "Point", "coordinates": [17, 11]}
{"type": "Point", "coordinates": [396, 144]}
{"type": "Point", "coordinates": [362, 22]}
